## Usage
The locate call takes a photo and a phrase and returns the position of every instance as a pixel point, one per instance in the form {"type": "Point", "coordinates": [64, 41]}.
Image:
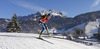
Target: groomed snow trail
{"type": "Point", "coordinates": [28, 41]}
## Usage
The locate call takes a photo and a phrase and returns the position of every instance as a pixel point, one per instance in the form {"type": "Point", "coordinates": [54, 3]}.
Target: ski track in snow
{"type": "Point", "coordinates": [28, 41]}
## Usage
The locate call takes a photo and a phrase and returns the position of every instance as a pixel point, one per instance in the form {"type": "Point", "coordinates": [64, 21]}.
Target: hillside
{"type": "Point", "coordinates": [3, 24]}
{"type": "Point", "coordinates": [58, 21]}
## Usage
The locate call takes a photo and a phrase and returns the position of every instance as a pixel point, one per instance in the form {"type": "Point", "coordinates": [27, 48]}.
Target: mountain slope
{"type": "Point", "coordinates": [27, 41]}
{"type": "Point", "coordinates": [57, 21]}
{"type": "Point", "coordinates": [3, 24]}
{"type": "Point", "coordinates": [90, 27]}
{"type": "Point", "coordinates": [60, 23]}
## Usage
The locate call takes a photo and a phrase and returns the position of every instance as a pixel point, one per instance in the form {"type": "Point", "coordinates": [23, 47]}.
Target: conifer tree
{"type": "Point", "coordinates": [13, 25]}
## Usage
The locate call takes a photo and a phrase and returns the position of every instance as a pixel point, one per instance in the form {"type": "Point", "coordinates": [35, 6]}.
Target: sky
{"type": "Point", "coordinates": [69, 8]}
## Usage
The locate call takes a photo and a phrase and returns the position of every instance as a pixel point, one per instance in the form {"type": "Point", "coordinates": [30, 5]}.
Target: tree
{"type": "Point", "coordinates": [77, 32]}
{"type": "Point", "coordinates": [74, 34]}
{"type": "Point", "coordinates": [98, 34]}
{"type": "Point", "coordinates": [13, 25]}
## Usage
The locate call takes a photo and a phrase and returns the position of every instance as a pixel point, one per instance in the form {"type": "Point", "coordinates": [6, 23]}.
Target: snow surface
{"type": "Point", "coordinates": [28, 41]}
{"type": "Point", "coordinates": [6, 20]}
{"type": "Point", "coordinates": [81, 26]}
{"type": "Point", "coordinates": [54, 30]}
{"type": "Point", "coordinates": [92, 27]}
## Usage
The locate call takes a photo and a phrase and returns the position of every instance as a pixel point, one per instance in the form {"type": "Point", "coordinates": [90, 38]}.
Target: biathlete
{"type": "Point", "coordinates": [42, 20]}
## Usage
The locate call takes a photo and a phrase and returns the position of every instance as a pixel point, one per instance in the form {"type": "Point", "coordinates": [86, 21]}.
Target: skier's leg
{"type": "Point", "coordinates": [87, 36]}
{"type": "Point", "coordinates": [41, 31]}
{"type": "Point", "coordinates": [47, 29]}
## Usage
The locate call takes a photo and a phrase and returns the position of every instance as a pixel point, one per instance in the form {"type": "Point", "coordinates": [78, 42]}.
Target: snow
{"type": "Point", "coordinates": [92, 27]}
{"type": "Point", "coordinates": [6, 20]}
{"type": "Point", "coordinates": [28, 41]}
{"type": "Point", "coordinates": [81, 26]}
{"type": "Point", "coordinates": [52, 30]}
{"type": "Point", "coordinates": [52, 12]}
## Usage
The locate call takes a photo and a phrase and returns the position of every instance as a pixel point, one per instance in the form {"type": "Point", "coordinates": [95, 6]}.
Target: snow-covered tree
{"type": "Point", "coordinates": [13, 25]}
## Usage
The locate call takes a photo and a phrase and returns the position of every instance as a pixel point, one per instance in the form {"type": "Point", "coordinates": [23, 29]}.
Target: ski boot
{"type": "Point", "coordinates": [40, 37]}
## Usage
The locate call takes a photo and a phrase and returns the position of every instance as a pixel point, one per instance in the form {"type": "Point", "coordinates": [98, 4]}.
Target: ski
{"type": "Point", "coordinates": [45, 40]}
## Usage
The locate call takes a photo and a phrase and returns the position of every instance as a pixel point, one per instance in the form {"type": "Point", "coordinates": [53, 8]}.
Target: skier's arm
{"type": "Point", "coordinates": [29, 20]}
{"type": "Point", "coordinates": [34, 18]}
{"type": "Point", "coordinates": [38, 17]}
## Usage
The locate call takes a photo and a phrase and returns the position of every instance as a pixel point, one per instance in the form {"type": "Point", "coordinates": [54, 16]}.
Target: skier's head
{"type": "Point", "coordinates": [48, 14]}
{"type": "Point", "coordinates": [49, 10]}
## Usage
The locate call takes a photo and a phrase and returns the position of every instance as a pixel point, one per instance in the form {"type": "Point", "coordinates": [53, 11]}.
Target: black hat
{"type": "Point", "coordinates": [49, 14]}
